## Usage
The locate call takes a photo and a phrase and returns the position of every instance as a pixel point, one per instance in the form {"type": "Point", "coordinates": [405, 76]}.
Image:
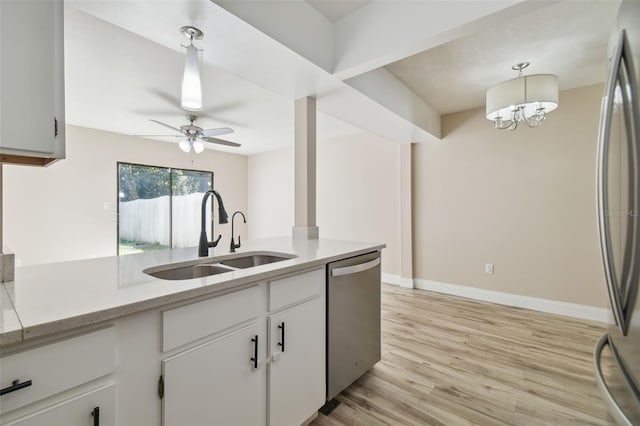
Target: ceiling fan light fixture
{"type": "Point", "coordinates": [185, 145]}
{"type": "Point", "coordinates": [198, 146]}
{"type": "Point", "coordinates": [191, 82]}
{"type": "Point", "coordinates": [195, 136]}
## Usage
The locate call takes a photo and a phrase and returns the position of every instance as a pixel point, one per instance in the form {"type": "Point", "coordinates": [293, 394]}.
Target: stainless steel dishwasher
{"type": "Point", "coordinates": [353, 320]}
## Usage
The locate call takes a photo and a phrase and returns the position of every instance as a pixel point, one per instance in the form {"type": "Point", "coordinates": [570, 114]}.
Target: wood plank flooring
{"type": "Point", "coordinates": [453, 361]}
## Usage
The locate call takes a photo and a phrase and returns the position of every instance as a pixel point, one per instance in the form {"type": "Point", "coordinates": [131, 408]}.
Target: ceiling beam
{"type": "Point", "coordinates": [384, 88]}
{"type": "Point", "coordinates": [383, 32]}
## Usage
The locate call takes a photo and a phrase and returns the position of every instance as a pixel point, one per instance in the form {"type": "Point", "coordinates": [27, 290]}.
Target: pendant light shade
{"type": "Point", "coordinates": [191, 99]}
{"type": "Point", "coordinates": [526, 98]}
{"type": "Point", "coordinates": [191, 84]}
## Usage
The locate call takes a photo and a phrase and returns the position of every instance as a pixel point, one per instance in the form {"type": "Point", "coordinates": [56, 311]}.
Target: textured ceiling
{"type": "Point", "coordinates": [568, 39]}
{"type": "Point", "coordinates": [334, 10]}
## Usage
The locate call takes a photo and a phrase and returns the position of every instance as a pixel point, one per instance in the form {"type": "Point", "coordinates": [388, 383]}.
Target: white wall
{"type": "Point", "coordinates": [358, 193]}
{"type": "Point", "coordinates": [523, 200]}
{"type": "Point", "coordinates": [270, 194]}
{"type": "Point", "coordinates": [68, 210]}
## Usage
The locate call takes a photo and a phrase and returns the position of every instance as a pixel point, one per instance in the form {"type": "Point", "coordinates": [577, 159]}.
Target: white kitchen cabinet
{"type": "Point", "coordinates": [297, 369]}
{"type": "Point", "coordinates": [218, 382]}
{"type": "Point", "coordinates": [60, 383]}
{"type": "Point", "coordinates": [32, 109]}
{"type": "Point", "coordinates": [96, 407]}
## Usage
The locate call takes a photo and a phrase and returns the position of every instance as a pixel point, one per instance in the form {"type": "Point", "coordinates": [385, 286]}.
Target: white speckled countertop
{"type": "Point", "coordinates": [50, 298]}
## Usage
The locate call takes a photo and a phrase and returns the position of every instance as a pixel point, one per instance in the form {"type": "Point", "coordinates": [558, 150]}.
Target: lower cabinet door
{"type": "Point", "coordinates": [94, 408]}
{"type": "Point", "coordinates": [219, 382]}
{"type": "Point", "coordinates": [297, 386]}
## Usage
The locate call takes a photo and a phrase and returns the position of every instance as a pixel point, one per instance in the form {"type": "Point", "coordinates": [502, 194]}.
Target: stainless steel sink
{"type": "Point", "coordinates": [205, 267]}
{"type": "Point", "coordinates": [189, 272]}
{"type": "Point", "coordinates": [253, 260]}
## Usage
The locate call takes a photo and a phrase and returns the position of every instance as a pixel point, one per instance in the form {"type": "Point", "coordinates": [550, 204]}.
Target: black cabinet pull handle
{"type": "Point", "coordinates": [96, 416]}
{"type": "Point", "coordinates": [15, 385]}
{"type": "Point", "coordinates": [255, 351]}
{"type": "Point", "coordinates": [281, 343]}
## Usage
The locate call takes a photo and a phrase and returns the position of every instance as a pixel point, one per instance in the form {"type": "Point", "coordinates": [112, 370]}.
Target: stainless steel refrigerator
{"type": "Point", "coordinates": [617, 354]}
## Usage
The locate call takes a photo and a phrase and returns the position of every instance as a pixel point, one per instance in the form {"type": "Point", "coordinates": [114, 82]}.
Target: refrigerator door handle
{"type": "Point", "coordinates": [347, 270]}
{"type": "Point", "coordinates": [616, 411]}
{"type": "Point", "coordinates": [602, 181]}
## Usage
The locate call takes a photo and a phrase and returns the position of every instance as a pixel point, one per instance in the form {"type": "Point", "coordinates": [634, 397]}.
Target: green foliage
{"type": "Point", "coordinates": [146, 182]}
{"type": "Point", "coordinates": [132, 247]}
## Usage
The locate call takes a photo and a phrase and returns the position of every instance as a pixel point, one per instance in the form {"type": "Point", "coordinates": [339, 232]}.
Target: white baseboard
{"type": "Point", "coordinates": [544, 305]}
{"type": "Point", "coordinates": [397, 280]}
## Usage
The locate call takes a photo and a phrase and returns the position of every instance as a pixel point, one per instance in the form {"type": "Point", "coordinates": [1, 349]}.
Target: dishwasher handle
{"type": "Point", "coordinates": [354, 269]}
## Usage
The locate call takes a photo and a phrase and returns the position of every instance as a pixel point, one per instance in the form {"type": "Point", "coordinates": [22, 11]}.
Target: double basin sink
{"type": "Point", "coordinates": [212, 266]}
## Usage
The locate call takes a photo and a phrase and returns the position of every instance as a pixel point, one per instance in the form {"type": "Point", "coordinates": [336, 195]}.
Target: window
{"type": "Point", "coordinates": [159, 207]}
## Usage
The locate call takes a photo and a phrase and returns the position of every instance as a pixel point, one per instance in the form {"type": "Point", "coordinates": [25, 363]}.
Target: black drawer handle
{"type": "Point", "coordinates": [255, 351]}
{"type": "Point", "coordinates": [15, 385]}
{"type": "Point", "coordinates": [96, 416]}
{"type": "Point", "coordinates": [281, 343]}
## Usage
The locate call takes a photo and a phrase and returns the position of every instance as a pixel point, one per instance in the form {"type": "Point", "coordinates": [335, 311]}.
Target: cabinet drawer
{"type": "Point", "coordinates": [201, 319]}
{"type": "Point", "coordinates": [80, 410]}
{"type": "Point", "coordinates": [56, 367]}
{"type": "Point", "coordinates": [296, 288]}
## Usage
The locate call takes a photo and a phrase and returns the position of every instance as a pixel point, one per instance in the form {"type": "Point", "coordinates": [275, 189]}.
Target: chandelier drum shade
{"type": "Point", "coordinates": [525, 98]}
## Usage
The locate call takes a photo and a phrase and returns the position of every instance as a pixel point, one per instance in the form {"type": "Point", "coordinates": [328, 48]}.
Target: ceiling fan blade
{"type": "Point", "coordinates": [220, 141]}
{"type": "Point", "coordinates": [217, 132]}
{"type": "Point", "coordinates": [166, 125]}
{"type": "Point", "coordinates": [159, 136]}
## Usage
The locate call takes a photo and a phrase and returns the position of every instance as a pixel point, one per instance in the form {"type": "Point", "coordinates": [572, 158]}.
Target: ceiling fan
{"type": "Point", "coordinates": [194, 136]}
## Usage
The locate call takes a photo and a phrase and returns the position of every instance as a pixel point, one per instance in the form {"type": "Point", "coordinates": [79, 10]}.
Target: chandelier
{"type": "Point", "coordinates": [525, 98]}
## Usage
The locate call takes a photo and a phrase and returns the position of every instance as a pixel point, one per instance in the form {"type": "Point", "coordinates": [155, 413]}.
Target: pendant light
{"type": "Point", "coordinates": [191, 83]}
{"type": "Point", "coordinates": [525, 99]}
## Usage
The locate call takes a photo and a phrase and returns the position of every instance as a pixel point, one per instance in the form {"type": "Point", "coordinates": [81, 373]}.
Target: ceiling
{"type": "Point", "coordinates": [335, 10]}
{"type": "Point", "coordinates": [387, 67]}
{"type": "Point", "coordinates": [568, 39]}
{"type": "Point", "coordinates": [117, 81]}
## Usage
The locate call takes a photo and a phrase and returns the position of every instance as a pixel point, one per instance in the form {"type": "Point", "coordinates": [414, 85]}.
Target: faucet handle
{"type": "Point", "coordinates": [215, 243]}
{"type": "Point", "coordinates": [233, 245]}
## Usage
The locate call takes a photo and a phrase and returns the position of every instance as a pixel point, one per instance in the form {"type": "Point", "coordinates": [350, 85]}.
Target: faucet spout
{"type": "Point", "coordinates": [234, 246]}
{"type": "Point", "coordinates": [203, 247]}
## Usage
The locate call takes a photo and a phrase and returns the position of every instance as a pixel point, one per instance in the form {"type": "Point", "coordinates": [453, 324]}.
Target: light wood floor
{"type": "Point", "coordinates": [453, 361]}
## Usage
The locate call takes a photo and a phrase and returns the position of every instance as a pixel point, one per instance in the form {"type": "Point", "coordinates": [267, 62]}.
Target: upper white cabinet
{"type": "Point", "coordinates": [32, 114]}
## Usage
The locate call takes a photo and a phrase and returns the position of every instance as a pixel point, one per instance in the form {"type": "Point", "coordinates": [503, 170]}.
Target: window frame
{"type": "Point", "coordinates": [170, 182]}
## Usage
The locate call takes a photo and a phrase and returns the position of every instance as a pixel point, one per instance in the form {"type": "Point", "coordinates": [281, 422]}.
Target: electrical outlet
{"type": "Point", "coordinates": [488, 268]}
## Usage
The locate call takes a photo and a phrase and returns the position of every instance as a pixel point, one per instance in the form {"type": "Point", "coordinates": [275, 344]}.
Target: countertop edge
{"type": "Point", "coordinates": [234, 284]}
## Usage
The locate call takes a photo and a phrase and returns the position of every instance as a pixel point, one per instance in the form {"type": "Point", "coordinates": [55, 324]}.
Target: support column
{"type": "Point", "coordinates": [406, 216]}
{"type": "Point", "coordinates": [305, 170]}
